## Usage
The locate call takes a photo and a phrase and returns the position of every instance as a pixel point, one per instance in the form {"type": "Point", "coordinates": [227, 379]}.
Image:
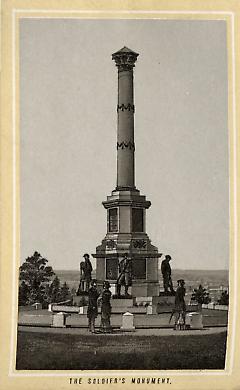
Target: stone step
{"type": "Point", "coordinates": [122, 302]}
{"type": "Point", "coordinates": [133, 310]}
{"type": "Point", "coordinates": [83, 309]}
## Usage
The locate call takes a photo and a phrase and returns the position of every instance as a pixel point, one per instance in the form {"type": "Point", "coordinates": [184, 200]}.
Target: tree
{"type": "Point", "coordinates": [23, 292]}
{"type": "Point", "coordinates": [35, 277]}
{"type": "Point", "coordinates": [54, 291]}
{"type": "Point", "coordinates": [224, 299]}
{"type": "Point", "coordinates": [200, 295]}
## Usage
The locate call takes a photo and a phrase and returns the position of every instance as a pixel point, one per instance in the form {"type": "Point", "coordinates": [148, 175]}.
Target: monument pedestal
{"type": "Point", "coordinates": [126, 234]}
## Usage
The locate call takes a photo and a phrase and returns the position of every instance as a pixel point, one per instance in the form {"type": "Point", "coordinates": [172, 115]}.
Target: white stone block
{"type": "Point", "coordinates": [195, 320]}
{"type": "Point", "coordinates": [127, 322]}
{"type": "Point", "coordinates": [59, 320]}
{"type": "Point", "coordinates": [80, 310]}
{"type": "Point", "coordinates": [83, 310]}
{"type": "Point", "coordinates": [37, 305]}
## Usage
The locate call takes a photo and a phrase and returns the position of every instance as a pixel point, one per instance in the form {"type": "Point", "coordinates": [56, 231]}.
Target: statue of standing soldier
{"type": "Point", "coordinates": [166, 273]}
{"type": "Point", "coordinates": [125, 275]}
{"type": "Point", "coordinates": [85, 273]}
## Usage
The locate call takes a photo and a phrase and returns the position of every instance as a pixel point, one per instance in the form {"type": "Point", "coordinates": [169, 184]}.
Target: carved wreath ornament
{"type": "Point", "coordinates": [140, 244]}
{"type": "Point", "coordinates": [111, 244]}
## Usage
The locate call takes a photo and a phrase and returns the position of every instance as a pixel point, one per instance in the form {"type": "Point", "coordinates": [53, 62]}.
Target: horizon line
{"type": "Point", "coordinates": [176, 269]}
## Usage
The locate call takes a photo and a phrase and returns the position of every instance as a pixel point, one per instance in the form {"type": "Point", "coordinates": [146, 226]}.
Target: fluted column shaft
{"type": "Point", "coordinates": [125, 60]}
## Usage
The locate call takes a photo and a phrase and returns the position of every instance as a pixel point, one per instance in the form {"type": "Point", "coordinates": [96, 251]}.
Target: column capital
{"type": "Point", "coordinates": [125, 59]}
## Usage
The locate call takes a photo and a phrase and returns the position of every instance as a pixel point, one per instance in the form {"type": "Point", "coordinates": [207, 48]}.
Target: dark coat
{"type": "Point", "coordinates": [92, 310]}
{"type": "Point", "coordinates": [179, 299]}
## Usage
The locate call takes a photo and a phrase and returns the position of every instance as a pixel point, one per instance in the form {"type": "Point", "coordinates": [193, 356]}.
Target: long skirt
{"type": "Point", "coordinates": [105, 317]}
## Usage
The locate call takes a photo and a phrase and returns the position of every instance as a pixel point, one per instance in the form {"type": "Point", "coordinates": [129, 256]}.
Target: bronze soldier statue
{"type": "Point", "coordinates": [166, 273]}
{"type": "Point", "coordinates": [125, 275]}
{"type": "Point", "coordinates": [85, 273]}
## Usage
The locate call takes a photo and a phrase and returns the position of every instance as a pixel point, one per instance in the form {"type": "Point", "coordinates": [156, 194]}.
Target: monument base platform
{"type": "Point", "coordinates": [137, 305]}
{"type": "Point", "coordinates": [156, 304]}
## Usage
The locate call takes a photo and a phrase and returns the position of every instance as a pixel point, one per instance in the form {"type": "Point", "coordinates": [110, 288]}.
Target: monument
{"type": "Point", "coordinates": [126, 207]}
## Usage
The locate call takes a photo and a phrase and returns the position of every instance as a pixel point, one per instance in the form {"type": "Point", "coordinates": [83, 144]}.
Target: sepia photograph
{"type": "Point", "coordinates": [119, 195]}
{"type": "Point", "coordinates": [124, 204]}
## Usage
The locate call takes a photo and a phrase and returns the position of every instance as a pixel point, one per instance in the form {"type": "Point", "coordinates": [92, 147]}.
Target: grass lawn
{"type": "Point", "coordinates": [39, 351]}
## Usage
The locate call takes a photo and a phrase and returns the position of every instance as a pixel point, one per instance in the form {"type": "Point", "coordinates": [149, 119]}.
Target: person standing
{"type": "Point", "coordinates": [180, 306]}
{"type": "Point", "coordinates": [106, 308]}
{"type": "Point", "coordinates": [166, 273]}
{"type": "Point", "coordinates": [92, 311]}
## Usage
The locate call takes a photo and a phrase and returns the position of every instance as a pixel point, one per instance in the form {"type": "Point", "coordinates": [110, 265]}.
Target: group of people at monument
{"type": "Point", "coordinates": [179, 311]}
{"type": "Point", "coordinates": [95, 298]}
{"type": "Point", "coordinates": [88, 286]}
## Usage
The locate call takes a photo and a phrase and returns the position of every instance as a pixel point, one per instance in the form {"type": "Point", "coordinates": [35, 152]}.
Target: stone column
{"type": "Point", "coordinates": [125, 60]}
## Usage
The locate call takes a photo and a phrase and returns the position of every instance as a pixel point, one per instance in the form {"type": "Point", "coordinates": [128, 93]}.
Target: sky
{"type": "Point", "coordinates": [68, 124]}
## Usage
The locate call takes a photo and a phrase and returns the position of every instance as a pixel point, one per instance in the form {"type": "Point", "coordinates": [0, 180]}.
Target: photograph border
{"type": "Point", "coordinates": [13, 58]}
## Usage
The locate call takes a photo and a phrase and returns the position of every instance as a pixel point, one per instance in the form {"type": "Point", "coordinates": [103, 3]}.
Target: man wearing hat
{"type": "Point", "coordinates": [180, 306]}
{"type": "Point", "coordinates": [85, 273]}
{"type": "Point", "coordinates": [92, 310]}
{"type": "Point", "coordinates": [166, 273]}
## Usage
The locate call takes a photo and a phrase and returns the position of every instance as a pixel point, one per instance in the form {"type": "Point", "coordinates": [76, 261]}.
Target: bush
{"type": "Point", "coordinates": [224, 299]}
